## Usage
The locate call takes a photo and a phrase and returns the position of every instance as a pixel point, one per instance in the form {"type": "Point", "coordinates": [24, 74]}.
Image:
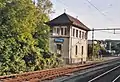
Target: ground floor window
{"type": "Point", "coordinates": [76, 49]}
{"type": "Point", "coordinates": [59, 48]}
{"type": "Point", "coordinates": [82, 50]}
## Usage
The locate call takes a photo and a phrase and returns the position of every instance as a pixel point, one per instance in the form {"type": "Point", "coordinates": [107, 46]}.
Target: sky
{"type": "Point", "coordinates": [108, 15]}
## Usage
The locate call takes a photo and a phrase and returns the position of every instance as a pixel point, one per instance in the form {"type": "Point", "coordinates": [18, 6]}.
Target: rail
{"type": "Point", "coordinates": [49, 73]}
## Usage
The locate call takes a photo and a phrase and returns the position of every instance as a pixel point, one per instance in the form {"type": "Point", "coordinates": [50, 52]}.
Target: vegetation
{"type": "Point", "coordinates": [24, 36]}
{"type": "Point", "coordinates": [116, 47]}
{"type": "Point", "coordinates": [98, 50]}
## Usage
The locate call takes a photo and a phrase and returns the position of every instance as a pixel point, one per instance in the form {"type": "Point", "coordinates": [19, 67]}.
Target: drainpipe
{"type": "Point", "coordinates": [71, 45]}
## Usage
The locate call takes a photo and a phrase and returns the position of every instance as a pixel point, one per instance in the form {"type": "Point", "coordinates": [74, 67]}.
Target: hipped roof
{"type": "Point", "coordinates": [64, 19]}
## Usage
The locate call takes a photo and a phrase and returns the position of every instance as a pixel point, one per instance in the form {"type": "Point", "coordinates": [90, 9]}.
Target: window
{"type": "Point", "coordinates": [76, 50]}
{"type": "Point", "coordinates": [86, 35]}
{"type": "Point", "coordinates": [76, 33]}
{"type": "Point", "coordinates": [82, 35]}
{"type": "Point", "coordinates": [73, 32]}
{"type": "Point", "coordinates": [61, 31]}
{"type": "Point", "coordinates": [79, 34]}
{"type": "Point", "coordinates": [65, 31]}
{"type": "Point", "coordinates": [59, 47]}
{"type": "Point", "coordinates": [58, 31]}
{"type": "Point", "coordinates": [82, 50]}
{"type": "Point", "coordinates": [54, 31]}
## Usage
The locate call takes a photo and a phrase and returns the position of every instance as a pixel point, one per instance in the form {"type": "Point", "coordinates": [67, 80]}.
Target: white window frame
{"type": "Point", "coordinates": [55, 28]}
{"type": "Point", "coordinates": [55, 31]}
{"type": "Point", "coordinates": [64, 27]}
{"type": "Point", "coordinates": [77, 33]}
{"type": "Point", "coordinates": [73, 32]}
{"type": "Point", "coordinates": [82, 35]}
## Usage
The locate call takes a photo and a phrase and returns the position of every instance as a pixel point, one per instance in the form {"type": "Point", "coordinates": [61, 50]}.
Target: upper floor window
{"type": "Point", "coordinates": [73, 32]}
{"type": "Point", "coordinates": [76, 33]}
{"type": "Point", "coordinates": [60, 30]}
{"type": "Point", "coordinates": [82, 35]}
{"type": "Point", "coordinates": [79, 34]}
{"type": "Point", "coordinates": [54, 31]}
{"type": "Point", "coordinates": [65, 31]}
{"type": "Point", "coordinates": [86, 35]}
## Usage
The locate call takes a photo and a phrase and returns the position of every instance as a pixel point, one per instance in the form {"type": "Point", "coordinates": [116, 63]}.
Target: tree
{"type": "Point", "coordinates": [42, 30]}
{"type": "Point", "coordinates": [45, 6]}
{"type": "Point", "coordinates": [24, 36]}
{"type": "Point", "coordinates": [118, 48]}
{"type": "Point", "coordinates": [17, 24]}
{"type": "Point", "coordinates": [96, 48]}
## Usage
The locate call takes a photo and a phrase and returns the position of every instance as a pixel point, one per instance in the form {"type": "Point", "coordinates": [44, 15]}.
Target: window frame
{"type": "Point", "coordinates": [73, 32]}
{"type": "Point", "coordinates": [86, 35]}
{"type": "Point", "coordinates": [82, 51]}
{"type": "Point", "coordinates": [82, 35]}
{"type": "Point", "coordinates": [62, 31]}
{"type": "Point", "coordinates": [77, 33]}
{"type": "Point", "coordinates": [76, 50]}
{"type": "Point", "coordinates": [65, 31]}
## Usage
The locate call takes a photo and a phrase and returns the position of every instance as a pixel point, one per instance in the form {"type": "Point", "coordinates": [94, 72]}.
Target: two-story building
{"type": "Point", "coordinates": [69, 38]}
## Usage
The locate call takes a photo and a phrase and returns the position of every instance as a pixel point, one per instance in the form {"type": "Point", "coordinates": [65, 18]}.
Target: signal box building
{"type": "Point", "coordinates": [69, 38]}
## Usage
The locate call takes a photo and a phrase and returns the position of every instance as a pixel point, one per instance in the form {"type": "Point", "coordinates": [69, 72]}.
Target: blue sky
{"type": "Point", "coordinates": [90, 16]}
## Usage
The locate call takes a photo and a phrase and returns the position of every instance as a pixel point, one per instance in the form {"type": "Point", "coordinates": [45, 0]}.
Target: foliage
{"type": "Point", "coordinates": [11, 57]}
{"type": "Point", "coordinates": [45, 6]}
{"type": "Point", "coordinates": [24, 36]}
{"type": "Point", "coordinates": [96, 48]}
{"type": "Point", "coordinates": [52, 60]}
{"type": "Point", "coordinates": [116, 47]}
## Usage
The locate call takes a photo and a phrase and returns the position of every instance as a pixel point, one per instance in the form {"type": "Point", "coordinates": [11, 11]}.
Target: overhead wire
{"type": "Point", "coordinates": [98, 10]}
{"type": "Point", "coordinates": [91, 5]}
{"type": "Point", "coordinates": [107, 32]}
{"type": "Point", "coordinates": [62, 3]}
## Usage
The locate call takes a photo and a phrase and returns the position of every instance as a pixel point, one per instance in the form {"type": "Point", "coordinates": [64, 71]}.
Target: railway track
{"type": "Point", "coordinates": [104, 73]}
{"type": "Point", "coordinates": [117, 79]}
{"type": "Point", "coordinates": [108, 76]}
{"type": "Point", "coordinates": [48, 74]}
{"type": "Point", "coordinates": [44, 74]}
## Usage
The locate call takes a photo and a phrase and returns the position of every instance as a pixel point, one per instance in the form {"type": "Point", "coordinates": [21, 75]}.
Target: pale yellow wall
{"type": "Point", "coordinates": [79, 42]}
{"type": "Point", "coordinates": [69, 46]}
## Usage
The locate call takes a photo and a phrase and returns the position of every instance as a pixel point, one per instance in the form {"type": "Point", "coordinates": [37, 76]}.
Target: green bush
{"type": "Point", "coordinates": [24, 36]}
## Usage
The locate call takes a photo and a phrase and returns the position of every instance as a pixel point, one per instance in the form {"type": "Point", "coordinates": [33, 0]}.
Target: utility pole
{"type": "Point", "coordinates": [92, 42]}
